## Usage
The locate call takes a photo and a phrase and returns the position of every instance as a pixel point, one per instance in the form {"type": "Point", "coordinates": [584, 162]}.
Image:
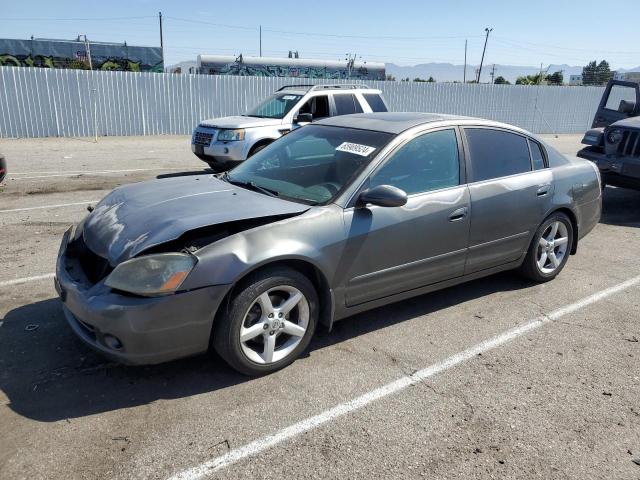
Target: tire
{"type": "Point", "coordinates": [248, 314]}
{"type": "Point", "coordinates": [544, 259]}
{"type": "Point", "coordinates": [256, 148]}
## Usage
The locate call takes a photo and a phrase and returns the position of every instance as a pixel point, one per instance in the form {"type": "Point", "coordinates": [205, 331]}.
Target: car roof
{"type": "Point", "coordinates": [391, 122]}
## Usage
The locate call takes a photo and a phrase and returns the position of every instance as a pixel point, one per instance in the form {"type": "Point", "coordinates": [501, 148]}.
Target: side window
{"type": "Point", "coordinates": [496, 153]}
{"type": "Point", "coordinates": [375, 102]}
{"type": "Point", "coordinates": [346, 104]}
{"type": "Point", "coordinates": [537, 157]}
{"type": "Point", "coordinates": [619, 93]}
{"type": "Point", "coordinates": [316, 106]}
{"type": "Point", "coordinates": [428, 162]}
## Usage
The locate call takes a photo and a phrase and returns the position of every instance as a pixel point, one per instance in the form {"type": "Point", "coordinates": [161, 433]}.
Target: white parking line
{"type": "Point", "coordinates": [310, 423]}
{"type": "Point", "coordinates": [18, 281]}
{"type": "Point", "coordinates": [60, 205]}
{"type": "Point", "coordinates": [12, 176]}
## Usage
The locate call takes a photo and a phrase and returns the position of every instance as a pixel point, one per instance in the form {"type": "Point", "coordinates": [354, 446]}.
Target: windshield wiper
{"type": "Point", "coordinates": [252, 185]}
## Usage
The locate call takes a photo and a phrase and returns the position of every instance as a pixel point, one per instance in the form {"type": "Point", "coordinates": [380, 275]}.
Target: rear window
{"type": "Point", "coordinates": [346, 104]}
{"type": "Point", "coordinates": [496, 153]}
{"type": "Point", "coordinates": [375, 102]}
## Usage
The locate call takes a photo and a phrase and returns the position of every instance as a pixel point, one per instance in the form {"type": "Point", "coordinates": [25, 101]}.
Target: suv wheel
{"type": "Point", "coordinates": [269, 323]}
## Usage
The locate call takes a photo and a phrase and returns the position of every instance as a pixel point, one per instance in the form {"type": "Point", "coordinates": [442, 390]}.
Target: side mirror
{"type": "Point", "coordinates": [383, 196]}
{"type": "Point", "coordinates": [303, 118]}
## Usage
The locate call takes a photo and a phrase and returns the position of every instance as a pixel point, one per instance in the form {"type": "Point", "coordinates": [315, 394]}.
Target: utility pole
{"type": "Point", "coordinates": [260, 40]}
{"type": "Point", "coordinates": [87, 50]}
{"type": "Point", "coordinates": [350, 61]}
{"type": "Point", "coordinates": [464, 74]}
{"type": "Point", "coordinates": [161, 39]}
{"type": "Point", "coordinates": [488, 30]}
{"type": "Point", "coordinates": [493, 72]}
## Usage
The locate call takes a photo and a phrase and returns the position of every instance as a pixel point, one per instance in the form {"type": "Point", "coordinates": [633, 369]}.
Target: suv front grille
{"type": "Point", "coordinates": [630, 144]}
{"type": "Point", "coordinates": [203, 138]}
{"type": "Point", "coordinates": [94, 267]}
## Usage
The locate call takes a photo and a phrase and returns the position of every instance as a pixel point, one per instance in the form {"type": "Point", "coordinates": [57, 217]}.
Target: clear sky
{"type": "Point", "coordinates": [402, 32]}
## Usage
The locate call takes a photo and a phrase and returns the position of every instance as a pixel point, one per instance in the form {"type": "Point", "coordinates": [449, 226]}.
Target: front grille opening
{"type": "Point", "coordinates": [630, 144]}
{"type": "Point", "coordinates": [94, 267]}
{"type": "Point", "coordinates": [202, 138]}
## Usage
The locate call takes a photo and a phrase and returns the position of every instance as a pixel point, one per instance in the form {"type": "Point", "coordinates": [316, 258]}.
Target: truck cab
{"type": "Point", "coordinates": [613, 142]}
{"type": "Point", "coordinates": [224, 142]}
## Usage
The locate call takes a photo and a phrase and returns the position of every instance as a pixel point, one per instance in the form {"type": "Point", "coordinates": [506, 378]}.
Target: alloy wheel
{"type": "Point", "coordinates": [274, 324]}
{"type": "Point", "coordinates": [552, 247]}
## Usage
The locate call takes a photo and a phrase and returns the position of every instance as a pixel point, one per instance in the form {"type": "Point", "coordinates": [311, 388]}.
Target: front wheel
{"type": "Point", "coordinates": [269, 323]}
{"type": "Point", "coordinates": [549, 249]}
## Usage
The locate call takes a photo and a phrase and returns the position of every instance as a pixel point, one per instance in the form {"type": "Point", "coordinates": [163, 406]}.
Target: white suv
{"type": "Point", "coordinates": [225, 142]}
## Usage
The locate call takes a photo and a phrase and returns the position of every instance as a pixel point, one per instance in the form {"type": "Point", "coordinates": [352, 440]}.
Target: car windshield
{"type": "Point", "coordinates": [311, 164]}
{"type": "Point", "coordinates": [276, 106]}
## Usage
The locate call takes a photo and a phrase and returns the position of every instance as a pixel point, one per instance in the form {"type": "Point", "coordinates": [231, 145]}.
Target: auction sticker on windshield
{"type": "Point", "coordinates": [362, 150]}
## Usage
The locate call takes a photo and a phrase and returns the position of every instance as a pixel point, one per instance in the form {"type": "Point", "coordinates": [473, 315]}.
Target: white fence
{"type": "Point", "coordinates": [39, 102]}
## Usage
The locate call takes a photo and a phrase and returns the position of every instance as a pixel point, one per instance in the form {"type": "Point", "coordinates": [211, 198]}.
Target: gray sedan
{"type": "Point", "coordinates": [335, 218]}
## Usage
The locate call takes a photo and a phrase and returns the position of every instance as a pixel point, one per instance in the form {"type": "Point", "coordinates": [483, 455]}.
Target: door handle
{"type": "Point", "coordinates": [458, 214]}
{"type": "Point", "coordinates": [543, 190]}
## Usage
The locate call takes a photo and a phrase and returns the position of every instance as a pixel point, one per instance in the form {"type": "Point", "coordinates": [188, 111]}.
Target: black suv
{"type": "Point", "coordinates": [614, 138]}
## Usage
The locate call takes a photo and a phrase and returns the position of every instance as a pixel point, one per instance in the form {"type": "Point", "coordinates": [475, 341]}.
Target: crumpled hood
{"type": "Point", "coordinates": [240, 122]}
{"type": "Point", "coordinates": [135, 217]}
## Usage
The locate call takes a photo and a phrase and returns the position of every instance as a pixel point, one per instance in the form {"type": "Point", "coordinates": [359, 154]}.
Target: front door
{"type": "Point", "coordinates": [395, 249]}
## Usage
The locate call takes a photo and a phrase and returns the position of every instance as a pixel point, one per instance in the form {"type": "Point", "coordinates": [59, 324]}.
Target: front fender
{"type": "Point", "coordinates": [315, 237]}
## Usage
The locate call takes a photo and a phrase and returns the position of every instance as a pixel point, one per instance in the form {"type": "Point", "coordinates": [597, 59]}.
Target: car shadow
{"type": "Point", "coordinates": [49, 375]}
{"type": "Point", "coordinates": [621, 207]}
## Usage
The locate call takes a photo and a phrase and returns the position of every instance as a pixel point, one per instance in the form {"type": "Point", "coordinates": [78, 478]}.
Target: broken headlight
{"type": "Point", "coordinates": [614, 136]}
{"type": "Point", "coordinates": [152, 274]}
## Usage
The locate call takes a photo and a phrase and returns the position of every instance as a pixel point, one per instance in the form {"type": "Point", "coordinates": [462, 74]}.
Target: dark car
{"type": "Point", "coordinates": [614, 139]}
{"type": "Point", "coordinates": [3, 168]}
{"type": "Point", "coordinates": [334, 218]}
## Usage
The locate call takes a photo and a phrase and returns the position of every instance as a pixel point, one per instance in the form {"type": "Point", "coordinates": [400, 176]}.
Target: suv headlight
{"type": "Point", "coordinates": [152, 275]}
{"type": "Point", "coordinates": [614, 136]}
{"type": "Point", "coordinates": [231, 135]}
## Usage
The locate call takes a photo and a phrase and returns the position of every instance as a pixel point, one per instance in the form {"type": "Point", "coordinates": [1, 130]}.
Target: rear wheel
{"type": "Point", "coordinates": [549, 250]}
{"type": "Point", "coordinates": [269, 323]}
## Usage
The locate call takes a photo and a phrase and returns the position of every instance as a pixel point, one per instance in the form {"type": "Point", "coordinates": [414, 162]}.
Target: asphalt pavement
{"type": "Point", "coordinates": [497, 378]}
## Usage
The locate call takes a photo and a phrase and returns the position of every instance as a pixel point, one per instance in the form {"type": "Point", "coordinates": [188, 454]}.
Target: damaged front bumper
{"type": "Point", "coordinates": [133, 329]}
{"type": "Point", "coordinates": [615, 170]}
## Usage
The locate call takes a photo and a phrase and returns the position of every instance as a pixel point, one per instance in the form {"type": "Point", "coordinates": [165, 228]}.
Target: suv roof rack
{"type": "Point", "coordinates": [299, 87]}
{"type": "Point", "coordinates": [351, 86]}
{"type": "Point", "coordinates": [322, 86]}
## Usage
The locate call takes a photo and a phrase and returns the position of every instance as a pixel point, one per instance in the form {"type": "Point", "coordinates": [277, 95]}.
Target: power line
{"type": "Point", "coordinates": [75, 19]}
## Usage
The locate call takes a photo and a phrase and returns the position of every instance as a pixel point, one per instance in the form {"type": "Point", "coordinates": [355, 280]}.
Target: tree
{"type": "Point", "coordinates": [590, 73]}
{"type": "Point", "coordinates": [418, 79]}
{"type": "Point", "coordinates": [389, 78]}
{"type": "Point", "coordinates": [556, 78]}
{"type": "Point", "coordinates": [528, 80]}
{"type": "Point", "coordinates": [603, 72]}
{"type": "Point", "coordinates": [431, 80]}
{"type": "Point", "coordinates": [501, 81]}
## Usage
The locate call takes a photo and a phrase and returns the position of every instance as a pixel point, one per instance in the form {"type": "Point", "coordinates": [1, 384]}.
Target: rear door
{"type": "Point", "coordinates": [611, 108]}
{"type": "Point", "coordinates": [345, 104]}
{"type": "Point", "coordinates": [510, 194]}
